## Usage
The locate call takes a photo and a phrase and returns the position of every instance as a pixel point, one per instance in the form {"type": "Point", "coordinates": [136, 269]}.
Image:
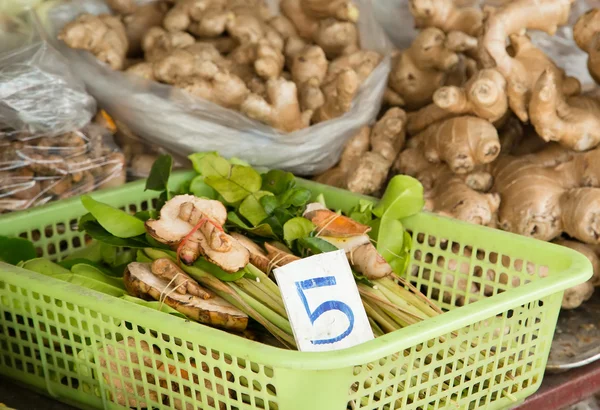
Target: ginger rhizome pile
{"type": "Point", "coordinates": [497, 133]}
{"type": "Point", "coordinates": [289, 71]}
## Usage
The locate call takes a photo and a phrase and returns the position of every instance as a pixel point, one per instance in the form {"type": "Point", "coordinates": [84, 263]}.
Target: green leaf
{"type": "Point", "coordinates": [269, 204]}
{"type": "Point", "coordinates": [109, 254]}
{"type": "Point", "coordinates": [217, 272]}
{"type": "Point", "coordinates": [140, 256]}
{"type": "Point", "coordinates": [45, 267]}
{"type": "Point", "coordinates": [263, 230]}
{"type": "Point", "coordinates": [85, 218]}
{"type": "Point", "coordinates": [362, 212]}
{"type": "Point", "coordinates": [241, 182]}
{"type": "Point", "coordinates": [100, 234]}
{"type": "Point", "coordinates": [154, 243]}
{"type": "Point", "coordinates": [238, 161]}
{"type": "Point", "coordinates": [160, 173]}
{"type": "Point", "coordinates": [123, 258]}
{"type": "Point", "coordinates": [295, 197]}
{"type": "Point", "coordinates": [115, 221]}
{"type": "Point", "coordinates": [15, 250]}
{"type": "Point", "coordinates": [232, 182]}
{"type": "Point", "coordinates": [69, 263]}
{"type": "Point", "coordinates": [275, 225]}
{"type": "Point", "coordinates": [321, 199]}
{"type": "Point", "coordinates": [210, 163]}
{"type": "Point", "coordinates": [97, 285]}
{"type": "Point", "coordinates": [252, 210]}
{"type": "Point", "coordinates": [403, 197]}
{"type": "Point", "coordinates": [154, 305]}
{"type": "Point", "coordinates": [92, 252]}
{"type": "Point", "coordinates": [390, 240]}
{"type": "Point", "coordinates": [278, 182]}
{"type": "Point", "coordinates": [314, 246]}
{"type": "Point", "coordinates": [145, 215]}
{"type": "Point", "coordinates": [199, 188]}
{"type": "Point", "coordinates": [297, 228]}
{"type": "Point", "coordinates": [91, 272]}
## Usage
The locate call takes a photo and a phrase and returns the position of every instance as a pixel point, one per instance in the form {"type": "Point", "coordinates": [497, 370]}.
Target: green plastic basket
{"type": "Point", "coordinates": [490, 354]}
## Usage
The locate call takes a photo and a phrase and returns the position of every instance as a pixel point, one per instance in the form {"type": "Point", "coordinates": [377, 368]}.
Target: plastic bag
{"type": "Point", "coordinates": [139, 154]}
{"type": "Point", "coordinates": [185, 124]}
{"type": "Point", "coordinates": [398, 23]}
{"type": "Point", "coordinates": [49, 146]}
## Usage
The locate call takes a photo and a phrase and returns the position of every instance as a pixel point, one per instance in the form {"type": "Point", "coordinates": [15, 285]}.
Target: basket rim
{"type": "Point", "coordinates": [578, 271]}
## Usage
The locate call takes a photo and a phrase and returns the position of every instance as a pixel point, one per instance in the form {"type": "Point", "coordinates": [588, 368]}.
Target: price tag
{"type": "Point", "coordinates": [323, 303]}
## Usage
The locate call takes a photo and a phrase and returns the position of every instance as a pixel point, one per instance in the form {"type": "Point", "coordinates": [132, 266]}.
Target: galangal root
{"type": "Point", "coordinates": [193, 227]}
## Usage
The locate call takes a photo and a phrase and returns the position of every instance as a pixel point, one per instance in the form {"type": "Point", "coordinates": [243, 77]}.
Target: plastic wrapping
{"type": "Point", "coordinates": [49, 146]}
{"type": "Point", "coordinates": [395, 18]}
{"type": "Point", "coordinates": [184, 124]}
{"type": "Point", "coordinates": [139, 154]}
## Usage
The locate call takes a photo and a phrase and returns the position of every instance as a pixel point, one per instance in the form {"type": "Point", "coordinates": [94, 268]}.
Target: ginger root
{"type": "Point", "coordinates": [446, 15]}
{"type": "Point", "coordinates": [586, 33]}
{"type": "Point", "coordinates": [573, 122]}
{"type": "Point", "coordinates": [305, 25]}
{"type": "Point", "coordinates": [368, 156]}
{"type": "Point", "coordinates": [363, 62]}
{"type": "Point", "coordinates": [452, 197]}
{"type": "Point", "coordinates": [420, 70]}
{"type": "Point", "coordinates": [542, 198]}
{"type": "Point", "coordinates": [309, 68]}
{"type": "Point", "coordinates": [217, 85]}
{"type": "Point", "coordinates": [139, 21]}
{"type": "Point", "coordinates": [122, 6]}
{"type": "Point", "coordinates": [387, 140]}
{"type": "Point", "coordinates": [483, 96]}
{"type": "Point", "coordinates": [354, 149]}
{"type": "Point", "coordinates": [343, 10]}
{"type": "Point", "coordinates": [462, 142]}
{"type": "Point", "coordinates": [339, 93]}
{"type": "Point", "coordinates": [336, 38]}
{"type": "Point", "coordinates": [281, 108]}
{"type": "Point", "coordinates": [158, 43]}
{"type": "Point", "coordinates": [104, 36]}
{"type": "Point", "coordinates": [528, 62]}
{"type": "Point", "coordinates": [457, 196]}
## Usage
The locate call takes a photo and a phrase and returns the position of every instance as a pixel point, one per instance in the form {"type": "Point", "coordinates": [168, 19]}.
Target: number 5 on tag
{"type": "Point", "coordinates": [323, 303]}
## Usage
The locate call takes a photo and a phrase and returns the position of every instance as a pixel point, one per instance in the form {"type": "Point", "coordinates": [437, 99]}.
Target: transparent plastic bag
{"type": "Point", "coordinates": [139, 154]}
{"type": "Point", "coordinates": [184, 124]}
{"type": "Point", "coordinates": [49, 146]}
{"type": "Point", "coordinates": [35, 170]}
{"type": "Point", "coordinates": [395, 18]}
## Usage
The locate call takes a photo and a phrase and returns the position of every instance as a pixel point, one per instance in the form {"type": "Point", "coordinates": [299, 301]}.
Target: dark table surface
{"type": "Point", "coordinates": [20, 398]}
{"type": "Point", "coordinates": [557, 392]}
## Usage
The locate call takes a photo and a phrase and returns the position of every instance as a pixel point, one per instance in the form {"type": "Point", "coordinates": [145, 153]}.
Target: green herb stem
{"type": "Point", "coordinates": [410, 298]}
{"type": "Point", "coordinates": [381, 319]}
{"type": "Point", "coordinates": [267, 313]}
{"type": "Point", "coordinates": [264, 279]}
{"type": "Point", "coordinates": [394, 297]}
{"type": "Point", "coordinates": [262, 295]}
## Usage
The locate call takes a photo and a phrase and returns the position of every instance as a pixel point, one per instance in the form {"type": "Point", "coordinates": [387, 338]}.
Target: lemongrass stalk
{"type": "Point", "coordinates": [270, 315]}
{"type": "Point", "coordinates": [398, 300]}
{"type": "Point", "coordinates": [262, 296]}
{"type": "Point", "coordinates": [377, 296]}
{"type": "Point", "coordinates": [264, 278]}
{"type": "Point", "coordinates": [411, 298]}
{"type": "Point", "coordinates": [377, 331]}
{"type": "Point", "coordinates": [381, 319]}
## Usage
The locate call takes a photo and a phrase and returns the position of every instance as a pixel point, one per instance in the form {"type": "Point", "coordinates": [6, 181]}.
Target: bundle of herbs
{"type": "Point", "coordinates": [208, 249]}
